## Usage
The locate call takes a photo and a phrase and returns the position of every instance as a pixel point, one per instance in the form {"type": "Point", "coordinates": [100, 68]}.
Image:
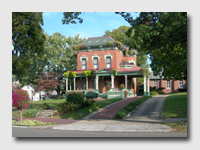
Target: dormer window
{"type": "Point", "coordinates": [83, 63]}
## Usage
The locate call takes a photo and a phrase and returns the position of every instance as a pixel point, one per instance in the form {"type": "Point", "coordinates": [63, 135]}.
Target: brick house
{"type": "Point", "coordinates": [101, 55]}
{"type": "Point", "coordinates": [170, 86]}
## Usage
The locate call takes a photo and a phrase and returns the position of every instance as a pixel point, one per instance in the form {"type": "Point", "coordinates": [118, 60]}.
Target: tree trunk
{"type": "Point", "coordinates": [20, 115]}
{"type": "Point", "coordinates": [58, 91]}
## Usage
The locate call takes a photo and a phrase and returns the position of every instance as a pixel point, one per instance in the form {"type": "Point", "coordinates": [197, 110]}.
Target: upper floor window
{"type": "Point", "coordinates": [108, 62]}
{"type": "Point", "coordinates": [168, 84]}
{"type": "Point", "coordinates": [180, 83]}
{"type": "Point", "coordinates": [156, 83]}
{"type": "Point", "coordinates": [95, 63]}
{"type": "Point", "coordinates": [83, 63]}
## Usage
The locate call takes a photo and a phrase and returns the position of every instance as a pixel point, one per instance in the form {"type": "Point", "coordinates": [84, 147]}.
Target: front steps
{"type": "Point", "coordinates": [45, 114]}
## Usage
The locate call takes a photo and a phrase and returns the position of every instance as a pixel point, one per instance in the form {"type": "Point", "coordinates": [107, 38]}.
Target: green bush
{"type": "Point", "coordinates": [91, 95]}
{"type": "Point", "coordinates": [125, 93]}
{"type": "Point", "coordinates": [121, 114]}
{"type": "Point", "coordinates": [76, 98]}
{"type": "Point", "coordinates": [122, 86]}
{"type": "Point", "coordinates": [44, 106]}
{"type": "Point", "coordinates": [153, 93]}
{"type": "Point", "coordinates": [89, 102]}
{"type": "Point", "coordinates": [31, 113]}
{"type": "Point", "coordinates": [67, 107]}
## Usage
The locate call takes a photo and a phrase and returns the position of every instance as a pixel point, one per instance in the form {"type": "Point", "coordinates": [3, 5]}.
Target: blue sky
{"type": "Point", "coordinates": [94, 24]}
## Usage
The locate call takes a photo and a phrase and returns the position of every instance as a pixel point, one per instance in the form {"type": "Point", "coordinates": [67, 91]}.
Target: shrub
{"type": "Point", "coordinates": [31, 113]}
{"type": "Point", "coordinates": [125, 93]}
{"type": "Point", "coordinates": [55, 113]}
{"type": "Point", "coordinates": [89, 102]}
{"type": "Point", "coordinates": [44, 106]}
{"type": "Point", "coordinates": [67, 107]}
{"type": "Point", "coordinates": [69, 93]}
{"type": "Point", "coordinates": [76, 98]}
{"type": "Point", "coordinates": [108, 87]}
{"type": "Point", "coordinates": [122, 86]}
{"type": "Point", "coordinates": [91, 95]}
{"type": "Point", "coordinates": [31, 123]}
{"type": "Point", "coordinates": [153, 93]}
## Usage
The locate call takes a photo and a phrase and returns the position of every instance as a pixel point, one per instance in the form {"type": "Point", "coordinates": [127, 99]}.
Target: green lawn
{"type": "Point", "coordinates": [175, 106]}
{"type": "Point", "coordinates": [87, 110]}
{"type": "Point", "coordinates": [75, 115]}
{"type": "Point", "coordinates": [52, 104]}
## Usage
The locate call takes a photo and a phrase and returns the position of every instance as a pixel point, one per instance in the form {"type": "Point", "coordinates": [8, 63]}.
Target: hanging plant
{"type": "Point", "coordinates": [78, 47]}
{"type": "Point", "coordinates": [131, 52]}
{"type": "Point", "coordinates": [87, 73]}
{"type": "Point", "coordinates": [66, 74]}
{"type": "Point", "coordinates": [109, 42]}
{"type": "Point", "coordinates": [115, 71]}
{"type": "Point", "coordinates": [74, 74]}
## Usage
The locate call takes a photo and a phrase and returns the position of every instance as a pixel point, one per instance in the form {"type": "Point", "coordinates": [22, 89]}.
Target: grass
{"type": "Point", "coordinates": [52, 104]}
{"type": "Point", "coordinates": [175, 106]}
{"type": "Point", "coordinates": [130, 107]}
{"type": "Point", "coordinates": [87, 110]}
{"type": "Point", "coordinates": [178, 126]}
{"type": "Point", "coordinates": [30, 123]}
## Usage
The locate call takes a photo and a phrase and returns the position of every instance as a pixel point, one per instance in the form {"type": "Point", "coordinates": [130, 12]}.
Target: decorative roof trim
{"type": "Point", "coordinates": [107, 55]}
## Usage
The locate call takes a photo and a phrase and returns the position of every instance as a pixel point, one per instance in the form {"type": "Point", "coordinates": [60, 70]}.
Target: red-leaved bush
{"type": "Point", "coordinates": [20, 99]}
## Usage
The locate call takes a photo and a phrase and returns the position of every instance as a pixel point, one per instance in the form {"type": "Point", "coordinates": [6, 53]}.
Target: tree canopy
{"type": "Point", "coordinates": [164, 37]}
{"type": "Point", "coordinates": [27, 40]}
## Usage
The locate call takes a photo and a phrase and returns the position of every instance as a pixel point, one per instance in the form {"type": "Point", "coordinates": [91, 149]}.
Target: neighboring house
{"type": "Point", "coordinates": [15, 85]}
{"type": "Point", "coordinates": [30, 91]}
{"type": "Point", "coordinates": [101, 55]}
{"type": "Point", "coordinates": [169, 86]}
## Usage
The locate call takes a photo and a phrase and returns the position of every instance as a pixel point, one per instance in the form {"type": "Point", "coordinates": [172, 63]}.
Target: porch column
{"type": "Point", "coordinates": [148, 93]}
{"type": "Point", "coordinates": [97, 85]}
{"type": "Point", "coordinates": [112, 81]}
{"type": "Point", "coordinates": [125, 81]}
{"type": "Point", "coordinates": [74, 83]}
{"type": "Point", "coordinates": [145, 85]}
{"type": "Point", "coordinates": [86, 83]}
{"type": "Point", "coordinates": [67, 84]}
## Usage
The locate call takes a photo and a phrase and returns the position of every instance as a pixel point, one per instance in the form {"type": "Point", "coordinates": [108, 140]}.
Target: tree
{"type": "Point", "coordinates": [47, 82]}
{"type": "Point", "coordinates": [120, 34]}
{"type": "Point", "coordinates": [20, 100]}
{"type": "Point", "coordinates": [60, 55]}
{"type": "Point", "coordinates": [164, 37]}
{"type": "Point", "coordinates": [27, 40]}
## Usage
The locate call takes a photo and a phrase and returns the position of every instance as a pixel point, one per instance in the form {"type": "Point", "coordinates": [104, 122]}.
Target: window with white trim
{"type": "Point", "coordinates": [108, 62]}
{"type": "Point", "coordinates": [168, 84]}
{"type": "Point", "coordinates": [84, 63]}
{"type": "Point", "coordinates": [95, 62]}
{"type": "Point", "coordinates": [180, 83]}
{"type": "Point", "coordinates": [156, 83]}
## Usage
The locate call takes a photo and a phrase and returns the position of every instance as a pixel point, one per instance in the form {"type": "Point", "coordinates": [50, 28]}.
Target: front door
{"type": "Point", "coordinates": [107, 82]}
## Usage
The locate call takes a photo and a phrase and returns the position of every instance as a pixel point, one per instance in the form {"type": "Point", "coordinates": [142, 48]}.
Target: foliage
{"type": "Point", "coordinates": [74, 74]}
{"type": "Point", "coordinates": [71, 17]}
{"type": "Point", "coordinates": [163, 35]}
{"type": "Point", "coordinates": [87, 73]}
{"type": "Point", "coordinates": [131, 52]}
{"type": "Point", "coordinates": [20, 99]}
{"type": "Point", "coordinates": [31, 113]}
{"type": "Point", "coordinates": [44, 106]}
{"type": "Point", "coordinates": [122, 86]}
{"type": "Point", "coordinates": [27, 40]}
{"type": "Point", "coordinates": [115, 71]}
{"type": "Point", "coordinates": [67, 107]}
{"type": "Point", "coordinates": [91, 95]}
{"type": "Point", "coordinates": [130, 107]}
{"type": "Point", "coordinates": [153, 93]}
{"type": "Point", "coordinates": [109, 42]}
{"type": "Point", "coordinates": [47, 82]}
{"type": "Point", "coordinates": [108, 87]}
{"type": "Point", "coordinates": [125, 93]}
{"type": "Point", "coordinates": [66, 74]}
{"type": "Point", "coordinates": [31, 123]}
{"type": "Point", "coordinates": [78, 47]}
{"type": "Point", "coordinates": [76, 98]}
{"type": "Point", "coordinates": [137, 86]}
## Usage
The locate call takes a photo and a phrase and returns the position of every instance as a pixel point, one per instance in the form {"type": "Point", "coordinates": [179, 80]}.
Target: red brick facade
{"type": "Point", "coordinates": [174, 85]}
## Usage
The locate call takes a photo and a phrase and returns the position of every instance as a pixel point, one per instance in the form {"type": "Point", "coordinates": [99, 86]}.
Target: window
{"type": "Point", "coordinates": [180, 83]}
{"type": "Point", "coordinates": [156, 83]}
{"type": "Point", "coordinates": [84, 63]}
{"type": "Point", "coordinates": [108, 62]}
{"type": "Point", "coordinates": [95, 63]}
{"type": "Point", "coordinates": [168, 84]}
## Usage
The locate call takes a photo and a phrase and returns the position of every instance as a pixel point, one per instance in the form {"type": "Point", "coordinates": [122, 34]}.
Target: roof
{"type": "Point", "coordinates": [98, 40]}
{"type": "Point", "coordinates": [151, 76]}
{"type": "Point", "coordinates": [123, 62]}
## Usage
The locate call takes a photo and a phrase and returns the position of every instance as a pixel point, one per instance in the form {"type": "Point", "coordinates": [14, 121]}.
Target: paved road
{"type": "Point", "coordinates": [28, 132]}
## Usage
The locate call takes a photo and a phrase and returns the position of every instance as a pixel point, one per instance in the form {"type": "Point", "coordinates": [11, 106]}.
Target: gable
{"type": "Point", "coordinates": [104, 71]}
